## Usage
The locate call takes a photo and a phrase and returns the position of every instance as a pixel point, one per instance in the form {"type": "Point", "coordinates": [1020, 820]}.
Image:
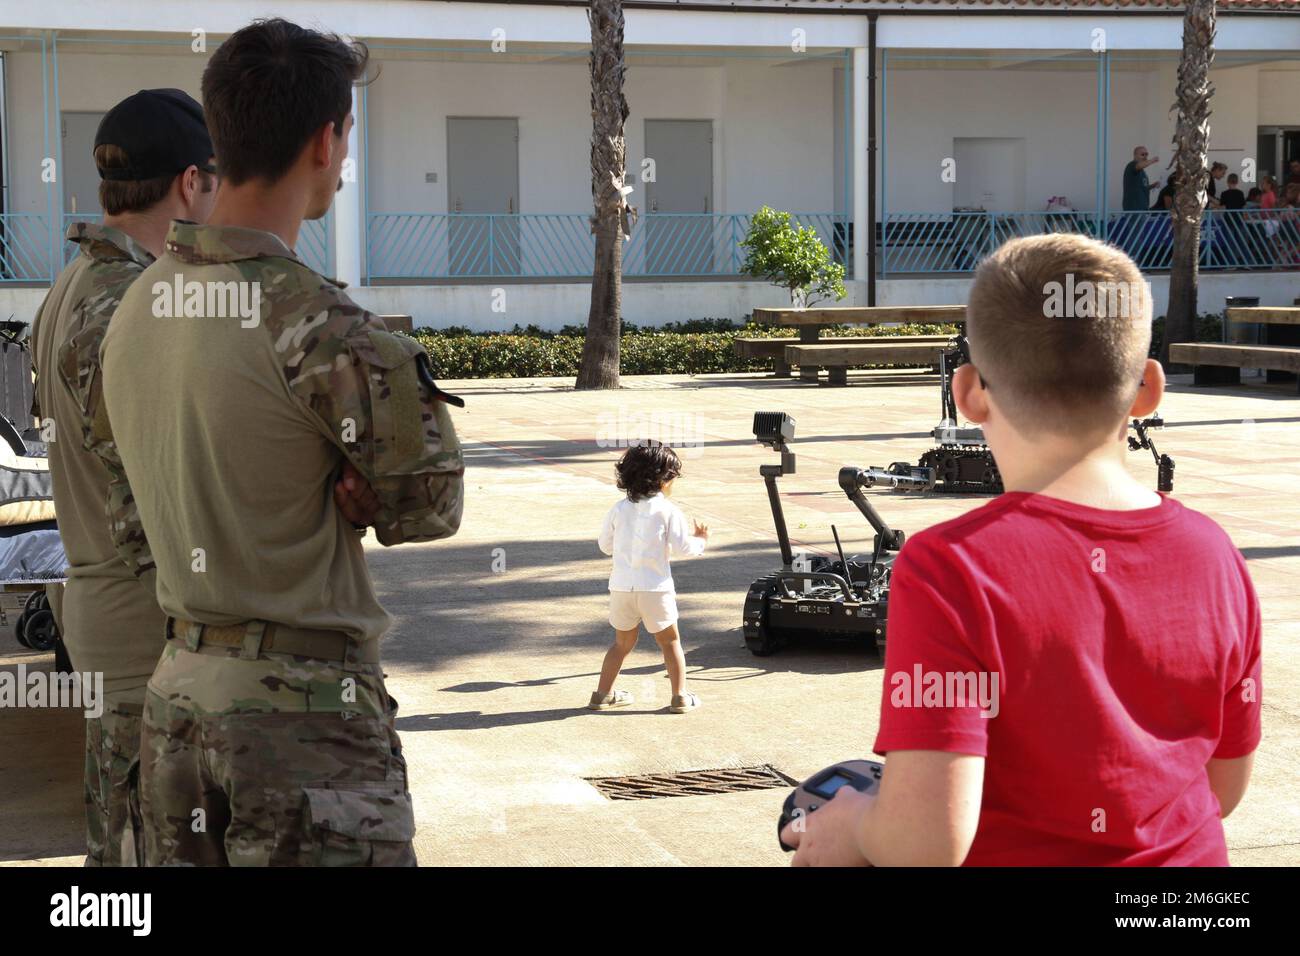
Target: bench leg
{"type": "Point", "coordinates": [837, 375]}
{"type": "Point", "coordinates": [781, 369]}
{"type": "Point", "coordinates": [1216, 375]}
{"type": "Point", "coordinates": [808, 373]}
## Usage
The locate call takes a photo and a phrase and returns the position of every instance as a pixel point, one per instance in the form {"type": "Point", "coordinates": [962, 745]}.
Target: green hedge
{"type": "Point", "coordinates": [682, 348]}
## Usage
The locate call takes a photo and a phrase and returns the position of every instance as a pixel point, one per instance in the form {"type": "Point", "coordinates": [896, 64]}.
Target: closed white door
{"type": "Point", "coordinates": [80, 178]}
{"type": "Point", "coordinates": [990, 174]}
{"type": "Point", "coordinates": [483, 186]}
{"type": "Point", "coordinates": [679, 221]}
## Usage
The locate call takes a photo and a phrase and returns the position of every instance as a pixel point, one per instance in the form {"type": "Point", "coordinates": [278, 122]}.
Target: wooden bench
{"type": "Point", "coordinates": [810, 322]}
{"type": "Point", "coordinates": [1280, 325]}
{"type": "Point", "coordinates": [1216, 364]}
{"type": "Point", "coordinates": [397, 323]}
{"type": "Point", "coordinates": [837, 359]}
{"type": "Point", "coordinates": [1269, 315]}
{"type": "Point", "coordinates": [774, 349]}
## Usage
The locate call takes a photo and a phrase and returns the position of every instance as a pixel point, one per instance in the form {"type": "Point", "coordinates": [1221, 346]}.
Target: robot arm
{"type": "Point", "coordinates": [852, 481]}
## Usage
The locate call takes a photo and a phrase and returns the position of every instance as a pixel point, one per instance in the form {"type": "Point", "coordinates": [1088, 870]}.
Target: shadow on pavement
{"type": "Point", "coordinates": [447, 604]}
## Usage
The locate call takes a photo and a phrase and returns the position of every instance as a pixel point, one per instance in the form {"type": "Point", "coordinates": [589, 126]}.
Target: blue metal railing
{"type": "Point", "coordinates": [912, 242]}
{"type": "Point", "coordinates": [24, 247]}
{"type": "Point", "coordinates": [561, 245]}
{"type": "Point", "coordinates": [315, 241]}
{"type": "Point", "coordinates": [316, 244]}
{"type": "Point", "coordinates": [672, 245]}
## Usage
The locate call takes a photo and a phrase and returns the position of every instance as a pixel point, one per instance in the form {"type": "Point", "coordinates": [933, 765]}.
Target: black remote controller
{"type": "Point", "coordinates": [862, 775]}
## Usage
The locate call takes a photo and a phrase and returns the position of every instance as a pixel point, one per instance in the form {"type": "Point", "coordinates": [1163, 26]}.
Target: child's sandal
{"type": "Point", "coordinates": [681, 704]}
{"type": "Point", "coordinates": [618, 698]}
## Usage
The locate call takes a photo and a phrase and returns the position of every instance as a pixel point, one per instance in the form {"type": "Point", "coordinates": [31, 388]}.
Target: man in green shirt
{"type": "Point", "coordinates": [239, 384]}
{"type": "Point", "coordinates": [155, 159]}
{"type": "Point", "coordinates": [1137, 187]}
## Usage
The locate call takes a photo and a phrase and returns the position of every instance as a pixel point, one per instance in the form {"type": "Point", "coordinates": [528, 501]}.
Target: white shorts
{"type": "Point", "coordinates": [656, 609]}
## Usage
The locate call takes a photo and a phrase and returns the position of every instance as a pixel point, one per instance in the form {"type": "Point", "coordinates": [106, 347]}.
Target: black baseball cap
{"type": "Point", "coordinates": [162, 131]}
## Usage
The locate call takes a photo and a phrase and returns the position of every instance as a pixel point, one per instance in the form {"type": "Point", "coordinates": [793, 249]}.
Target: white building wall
{"type": "Point", "coordinates": [779, 128]}
{"type": "Point", "coordinates": [26, 134]}
{"type": "Point", "coordinates": [1054, 111]}
{"type": "Point", "coordinates": [1279, 97]}
{"type": "Point", "coordinates": [774, 129]}
{"type": "Point", "coordinates": [409, 105]}
{"type": "Point", "coordinates": [87, 83]}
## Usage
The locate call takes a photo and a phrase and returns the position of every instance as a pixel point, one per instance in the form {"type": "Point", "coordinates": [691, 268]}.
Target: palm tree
{"type": "Point", "coordinates": [599, 368]}
{"type": "Point", "coordinates": [1191, 140]}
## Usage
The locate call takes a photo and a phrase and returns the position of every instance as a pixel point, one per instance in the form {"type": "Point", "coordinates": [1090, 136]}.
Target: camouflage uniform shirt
{"type": "Point", "coordinates": [112, 621]}
{"type": "Point", "coordinates": [237, 381]}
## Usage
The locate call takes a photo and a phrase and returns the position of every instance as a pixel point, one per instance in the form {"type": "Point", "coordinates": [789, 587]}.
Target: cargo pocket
{"type": "Point", "coordinates": [361, 824]}
{"type": "Point", "coordinates": [125, 826]}
{"type": "Point", "coordinates": [398, 407]}
{"type": "Point", "coordinates": [95, 787]}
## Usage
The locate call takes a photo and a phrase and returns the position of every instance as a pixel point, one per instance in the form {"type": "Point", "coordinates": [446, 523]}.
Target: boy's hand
{"type": "Point", "coordinates": [829, 836]}
{"type": "Point", "coordinates": [355, 499]}
{"type": "Point", "coordinates": [701, 530]}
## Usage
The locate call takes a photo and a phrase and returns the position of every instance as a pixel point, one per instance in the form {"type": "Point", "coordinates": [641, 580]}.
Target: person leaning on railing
{"type": "Point", "coordinates": [1288, 215]}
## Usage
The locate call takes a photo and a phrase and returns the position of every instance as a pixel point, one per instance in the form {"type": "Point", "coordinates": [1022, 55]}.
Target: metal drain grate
{"type": "Point", "coordinates": [691, 783]}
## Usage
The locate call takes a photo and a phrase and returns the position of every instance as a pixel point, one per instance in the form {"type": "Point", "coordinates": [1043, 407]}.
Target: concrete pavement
{"type": "Point", "coordinates": [498, 633]}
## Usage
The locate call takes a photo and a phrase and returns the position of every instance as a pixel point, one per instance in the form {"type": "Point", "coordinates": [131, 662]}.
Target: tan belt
{"type": "Point", "coordinates": [256, 637]}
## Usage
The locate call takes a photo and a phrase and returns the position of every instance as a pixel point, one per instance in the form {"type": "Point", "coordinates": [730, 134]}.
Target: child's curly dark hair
{"type": "Point", "coordinates": [645, 469]}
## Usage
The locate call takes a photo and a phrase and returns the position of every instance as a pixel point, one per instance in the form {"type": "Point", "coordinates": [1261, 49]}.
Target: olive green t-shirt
{"type": "Point", "coordinates": [237, 381]}
{"type": "Point", "coordinates": [111, 620]}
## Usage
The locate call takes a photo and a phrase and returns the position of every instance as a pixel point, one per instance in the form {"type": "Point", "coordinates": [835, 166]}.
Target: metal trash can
{"type": "Point", "coordinates": [1240, 333]}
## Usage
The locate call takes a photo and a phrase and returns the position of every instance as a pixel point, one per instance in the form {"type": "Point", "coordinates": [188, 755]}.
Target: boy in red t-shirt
{"type": "Point", "coordinates": [1073, 669]}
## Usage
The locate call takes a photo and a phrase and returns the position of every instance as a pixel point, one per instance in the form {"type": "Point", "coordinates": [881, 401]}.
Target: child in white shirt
{"type": "Point", "coordinates": [641, 532]}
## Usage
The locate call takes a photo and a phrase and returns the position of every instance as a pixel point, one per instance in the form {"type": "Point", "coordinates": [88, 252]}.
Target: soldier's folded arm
{"type": "Point", "coordinates": [366, 387]}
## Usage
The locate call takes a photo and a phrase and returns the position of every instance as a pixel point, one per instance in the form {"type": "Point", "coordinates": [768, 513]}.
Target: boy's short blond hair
{"type": "Point", "coordinates": [1059, 328]}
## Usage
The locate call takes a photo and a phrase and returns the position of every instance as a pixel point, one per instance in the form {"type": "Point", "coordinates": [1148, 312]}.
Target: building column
{"type": "Point", "coordinates": [349, 223]}
{"type": "Point", "coordinates": [861, 227]}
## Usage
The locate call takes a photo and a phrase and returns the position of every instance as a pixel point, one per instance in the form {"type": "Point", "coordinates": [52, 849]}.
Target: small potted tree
{"type": "Point", "coordinates": [793, 258]}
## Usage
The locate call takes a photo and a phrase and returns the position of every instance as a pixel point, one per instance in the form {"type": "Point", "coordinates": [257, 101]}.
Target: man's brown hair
{"type": "Point", "coordinates": [268, 88]}
{"type": "Point", "coordinates": [1059, 328]}
{"type": "Point", "coordinates": [122, 196]}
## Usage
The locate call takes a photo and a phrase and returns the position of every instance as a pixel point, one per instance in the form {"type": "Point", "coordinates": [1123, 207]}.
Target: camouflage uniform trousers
{"type": "Point", "coordinates": [271, 761]}
{"type": "Point", "coordinates": [114, 834]}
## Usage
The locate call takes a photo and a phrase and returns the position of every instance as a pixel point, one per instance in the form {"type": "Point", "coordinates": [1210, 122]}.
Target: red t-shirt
{"type": "Point", "coordinates": [1115, 652]}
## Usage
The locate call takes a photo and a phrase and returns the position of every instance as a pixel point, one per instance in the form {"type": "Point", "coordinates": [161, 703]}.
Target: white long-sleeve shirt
{"type": "Point", "coordinates": [641, 535]}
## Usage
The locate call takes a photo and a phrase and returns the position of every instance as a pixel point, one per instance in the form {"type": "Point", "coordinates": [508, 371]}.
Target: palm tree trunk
{"type": "Point", "coordinates": [599, 368]}
{"type": "Point", "coordinates": [1191, 140]}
